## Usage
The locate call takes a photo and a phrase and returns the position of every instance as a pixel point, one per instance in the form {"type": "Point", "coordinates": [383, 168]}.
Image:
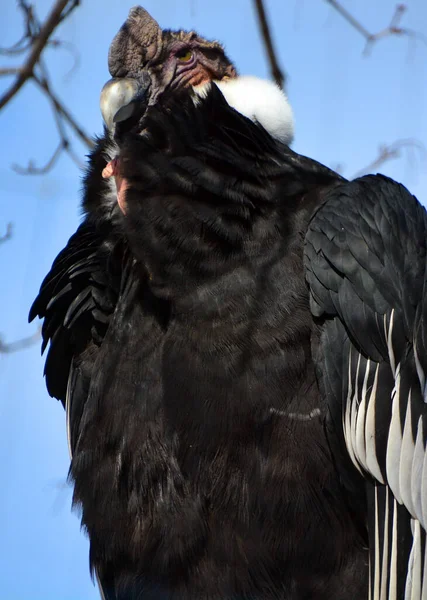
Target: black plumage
{"type": "Point", "coordinates": [366, 269]}
{"type": "Point", "coordinates": [229, 343]}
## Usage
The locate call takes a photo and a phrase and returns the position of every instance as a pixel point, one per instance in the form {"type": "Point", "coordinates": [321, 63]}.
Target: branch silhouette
{"type": "Point", "coordinates": [35, 39]}
{"type": "Point", "coordinates": [276, 71]}
{"type": "Point", "coordinates": [393, 28]}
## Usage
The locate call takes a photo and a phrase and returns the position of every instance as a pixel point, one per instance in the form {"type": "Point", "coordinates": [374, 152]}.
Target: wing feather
{"type": "Point", "coordinates": [76, 300]}
{"type": "Point", "coordinates": [366, 270]}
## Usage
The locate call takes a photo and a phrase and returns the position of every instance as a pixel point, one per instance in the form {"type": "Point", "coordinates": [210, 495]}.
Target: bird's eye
{"type": "Point", "coordinates": [184, 55]}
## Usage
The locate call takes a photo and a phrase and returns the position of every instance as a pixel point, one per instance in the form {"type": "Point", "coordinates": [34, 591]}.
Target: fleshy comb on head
{"type": "Point", "coordinates": [138, 41]}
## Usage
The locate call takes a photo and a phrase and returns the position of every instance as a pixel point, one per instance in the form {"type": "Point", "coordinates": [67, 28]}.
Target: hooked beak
{"type": "Point", "coordinates": [120, 98]}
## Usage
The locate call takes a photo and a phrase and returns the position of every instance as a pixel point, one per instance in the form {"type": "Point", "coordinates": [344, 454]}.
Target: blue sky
{"type": "Point", "coordinates": [345, 106]}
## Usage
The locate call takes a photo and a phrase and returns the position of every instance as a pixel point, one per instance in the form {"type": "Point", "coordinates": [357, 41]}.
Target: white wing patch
{"type": "Point", "coordinates": [385, 574]}
{"type": "Point", "coordinates": [361, 420]}
{"type": "Point", "coordinates": [359, 417]}
{"type": "Point", "coordinates": [389, 337]}
{"type": "Point", "coordinates": [372, 464]}
{"type": "Point", "coordinates": [413, 580]}
{"type": "Point", "coordinates": [394, 443]}
{"type": "Point", "coordinates": [404, 476]}
{"type": "Point", "coordinates": [406, 456]}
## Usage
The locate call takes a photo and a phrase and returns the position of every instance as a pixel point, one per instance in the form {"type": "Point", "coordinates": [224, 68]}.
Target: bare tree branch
{"type": "Point", "coordinates": [19, 344]}
{"type": "Point", "coordinates": [69, 150]}
{"type": "Point", "coordinates": [17, 48]}
{"type": "Point", "coordinates": [276, 71]}
{"type": "Point", "coordinates": [72, 50]}
{"type": "Point", "coordinates": [10, 71]}
{"type": "Point", "coordinates": [25, 342]}
{"type": "Point", "coordinates": [392, 29]}
{"type": "Point", "coordinates": [60, 114]}
{"type": "Point", "coordinates": [6, 237]}
{"type": "Point", "coordinates": [63, 111]}
{"type": "Point", "coordinates": [33, 170]}
{"type": "Point", "coordinates": [350, 19]}
{"type": "Point", "coordinates": [36, 37]}
{"type": "Point", "coordinates": [25, 42]}
{"type": "Point", "coordinates": [69, 10]}
{"type": "Point", "coordinates": [390, 152]}
{"type": "Point", "coordinates": [52, 21]}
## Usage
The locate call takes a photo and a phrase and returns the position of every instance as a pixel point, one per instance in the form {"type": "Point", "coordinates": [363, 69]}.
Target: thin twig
{"type": "Point", "coordinates": [276, 71]}
{"type": "Point", "coordinates": [64, 112]}
{"type": "Point", "coordinates": [60, 113]}
{"type": "Point", "coordinates": [33, 170]}
{"type": "Point", "coordinates": [390, 152]}
{"type": "Point", "coordinates": [19, 344]}
{"type": "Point", "coordinates": [66, 13]}
{"type": "Point", "coordinates": [69, 150]}
{"type": "Point", "coordinates": [392, 29]}
{"type": "Point", "coordinates": [10, 71]}
{"type": "Point", "coordinates": [17, 48]}
{"type": "Point", "coordinates": [27, 36]}
{"type": "Point", "coordinates": [350, 19]}
{"type": "Point", "coordinates": [39, 44]}
{"type": "Point", "coordinates": [6, 237]}
{"type": "Point", "coordinates": [63, 140]}
{"type": "Point", "coordinates": [38, 35]}
{"type": "Point", "coordinates": [72, 50]}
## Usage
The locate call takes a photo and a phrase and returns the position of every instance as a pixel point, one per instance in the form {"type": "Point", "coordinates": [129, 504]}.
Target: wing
{"type": "Point", "coordinates": [366, 269]}
{"type": "Point", "coordinates": [76, 300]}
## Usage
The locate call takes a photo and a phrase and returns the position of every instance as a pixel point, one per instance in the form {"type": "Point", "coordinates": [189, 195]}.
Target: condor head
{"type": "Point", "coordinates": [147, 65]}
{"type": "Point", "coordinates": [146, 61]}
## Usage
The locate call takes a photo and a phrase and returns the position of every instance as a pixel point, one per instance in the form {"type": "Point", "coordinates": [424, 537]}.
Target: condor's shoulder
{"type": "Point", "coordinates": [366, 247]}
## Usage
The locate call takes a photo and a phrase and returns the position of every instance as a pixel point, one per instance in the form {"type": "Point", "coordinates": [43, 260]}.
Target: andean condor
{"type": "Point", "coordinates": [238, 335]}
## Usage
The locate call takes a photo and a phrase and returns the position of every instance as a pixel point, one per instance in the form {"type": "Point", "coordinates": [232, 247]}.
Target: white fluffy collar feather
{"type": "Point", "coordinates": [261, 101]}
